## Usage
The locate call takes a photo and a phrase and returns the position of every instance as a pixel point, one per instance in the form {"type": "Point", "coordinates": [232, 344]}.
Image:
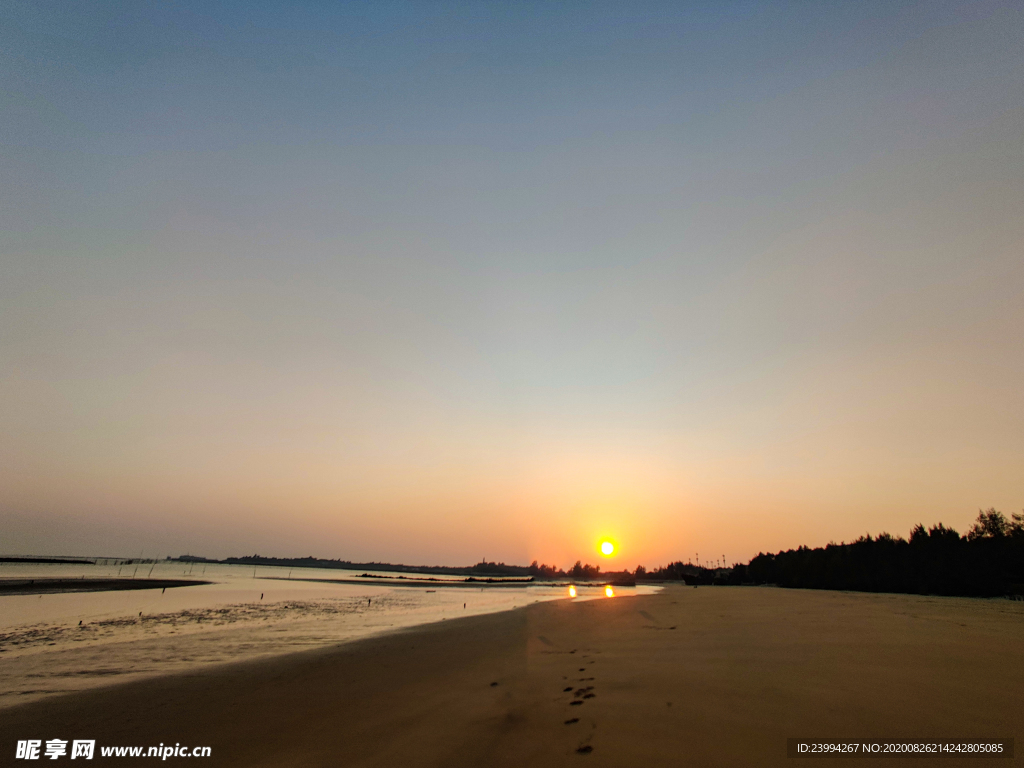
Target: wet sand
{"type": "Point", "coordinates": [709, 676]}
{"type": "Point", "coordinates": [45, 586]}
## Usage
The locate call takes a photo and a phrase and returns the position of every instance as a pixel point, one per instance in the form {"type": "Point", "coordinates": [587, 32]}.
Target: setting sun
{"type": "Point", "coordinates": [607, 548]}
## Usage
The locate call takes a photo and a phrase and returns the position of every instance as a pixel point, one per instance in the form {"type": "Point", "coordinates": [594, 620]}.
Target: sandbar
{"type": "Point", "coordinates": [46, 586]}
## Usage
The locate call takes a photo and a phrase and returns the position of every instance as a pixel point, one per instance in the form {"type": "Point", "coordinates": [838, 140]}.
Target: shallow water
{"type": "Point", "coordinates": [55, 643]}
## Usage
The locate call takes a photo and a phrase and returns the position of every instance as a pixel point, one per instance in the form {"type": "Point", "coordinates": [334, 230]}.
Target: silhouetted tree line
{"type": "Point", "coordinates": [678, 571]}
{"type": "Point", "coordinates": [544, 571]}
{"type": "Point", "coordinates": [987, 561]}
{"type": "Point", "coordinates": [588, 571]}
{"type": "Point", "coordinates": [482, 568]}
{"type": "Point", "coordinates": [579, 571]}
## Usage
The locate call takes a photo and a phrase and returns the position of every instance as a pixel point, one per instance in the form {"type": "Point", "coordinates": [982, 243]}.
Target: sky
{"type": "Point", "coordinates": [441, 282]}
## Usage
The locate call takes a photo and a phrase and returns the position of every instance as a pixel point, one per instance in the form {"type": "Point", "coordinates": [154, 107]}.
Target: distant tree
{"type": "Point", "coordinates": [640, 571]}
{"type": "Point", "coordinates": [989, 525]}
{"type": "Point", "coordinates": [918, 534]}
{"type": "Point", "coordinates": [583, 572]}
{"type": "Point", "coordinates": [940, 532]}
{"type": "Point", "coordinates": [738, 575]}
{"type": "Point", "coordinates": [543, 570]}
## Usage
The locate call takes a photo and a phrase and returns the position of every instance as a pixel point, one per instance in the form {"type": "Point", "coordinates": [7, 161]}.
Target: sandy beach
{"type": "Point", "coordinates": [55, 641]}
{"type": "Point", "coordinates": [708, 676]}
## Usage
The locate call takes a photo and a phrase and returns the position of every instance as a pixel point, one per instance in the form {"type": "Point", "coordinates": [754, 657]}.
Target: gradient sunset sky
{"type": "Point", "coordinates": [435, 282]}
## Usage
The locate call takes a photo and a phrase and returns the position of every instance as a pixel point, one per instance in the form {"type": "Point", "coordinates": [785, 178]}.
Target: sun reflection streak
{"type": "Point", "coordinates": [609, 592]}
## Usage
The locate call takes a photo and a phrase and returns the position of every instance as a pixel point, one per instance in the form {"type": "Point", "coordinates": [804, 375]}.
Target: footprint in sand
{"type": "Point", "coordinates": [572, 720]}
{"type": "Point", "coordinates": [576, 703]}
{"type": "Point", "coordinates": [585, 749]}
{"type": "Point", "coordinates": [566, 690]}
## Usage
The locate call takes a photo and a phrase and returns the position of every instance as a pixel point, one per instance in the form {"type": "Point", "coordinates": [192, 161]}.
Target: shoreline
{"type": "Point", "coordinates": [408, 581]}
{"type": "Point", "coordinates": [403, 581]}
{"type": "Point", "coordinates": [81, 642]}
{"type": "Point", "coordinates": [708, 677]}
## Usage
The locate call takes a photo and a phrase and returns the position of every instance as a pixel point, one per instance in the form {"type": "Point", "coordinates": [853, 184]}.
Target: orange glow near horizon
{"type": "Point", "coordinates": [478, 344]}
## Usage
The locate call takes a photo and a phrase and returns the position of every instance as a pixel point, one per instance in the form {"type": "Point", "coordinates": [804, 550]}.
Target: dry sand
{"type": "Point", "coordinates": [703, 677]}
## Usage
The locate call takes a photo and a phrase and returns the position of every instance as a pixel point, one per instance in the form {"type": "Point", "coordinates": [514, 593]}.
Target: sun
{"type": "Point", "coordinates": [607, 548]}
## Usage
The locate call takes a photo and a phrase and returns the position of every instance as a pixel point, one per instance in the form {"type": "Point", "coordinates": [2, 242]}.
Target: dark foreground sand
{"type": "Point", "coordinates": [702, 677]}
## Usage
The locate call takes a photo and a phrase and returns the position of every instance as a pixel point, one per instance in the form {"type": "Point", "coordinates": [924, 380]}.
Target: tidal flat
{"type": "Point", "coordinates": [177, 618]}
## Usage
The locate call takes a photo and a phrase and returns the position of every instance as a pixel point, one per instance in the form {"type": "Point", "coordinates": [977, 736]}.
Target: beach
{"type": "Point", "coordinates": [707, 676]}
{"type": "Point", "coordinates": [67, 629]}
